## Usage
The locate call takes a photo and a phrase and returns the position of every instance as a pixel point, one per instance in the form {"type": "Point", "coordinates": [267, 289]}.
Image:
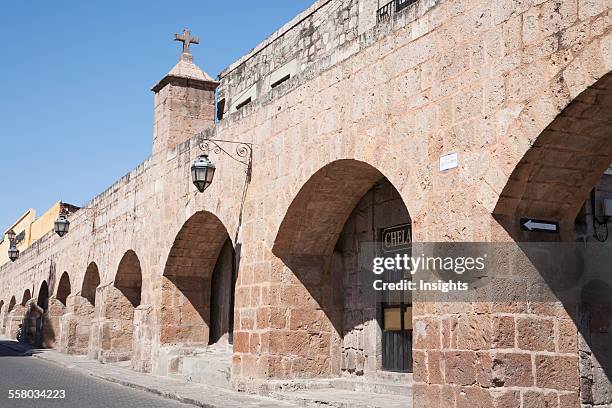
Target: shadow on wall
{"type": "Point", "coordinates": [37, 328]}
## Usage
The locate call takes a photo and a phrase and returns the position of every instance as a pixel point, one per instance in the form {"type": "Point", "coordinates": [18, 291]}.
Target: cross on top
{"type": "Point", "coordinates": [186, 39]}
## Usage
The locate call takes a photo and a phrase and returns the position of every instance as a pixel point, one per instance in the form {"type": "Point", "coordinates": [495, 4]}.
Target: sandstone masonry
{"type": "Point", "coordinates": [335, 106]}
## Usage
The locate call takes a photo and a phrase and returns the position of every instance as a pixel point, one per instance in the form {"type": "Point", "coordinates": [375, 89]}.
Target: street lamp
{"type": "Point", "coordinates": [61, 225]}
{"type": "Point", "coordinates": [203, 169]}
{"type": "Point", "coordinates": [13, 252]}
{"type": "Point", "coordinates": [202, 172]}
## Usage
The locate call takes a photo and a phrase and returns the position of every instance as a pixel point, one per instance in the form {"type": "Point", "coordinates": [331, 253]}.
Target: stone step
{"type": "Point", "coordinates": [211, 368]}
{"type": "Point", "coordinates": [338, 398]}
{"type": "Point", "coordinates": [373, 386]}
{"type": "Point", "coordinates": [393, 376]}
{"type": "Point", "coordinates": [376, 384]}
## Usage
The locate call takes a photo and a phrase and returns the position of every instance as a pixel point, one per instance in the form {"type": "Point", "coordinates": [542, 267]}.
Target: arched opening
{"type": "Point", "coordinates": [27, 295]}
{"type": "Point", "coordinates": [40, 328]}
{"type": "Point", "coordinates": [91, 281]}
{"type": "Point", "coordinates": [129, 278]}
{"type": "Point", "coordinates": [43, 296]}
{"type": "Point", "coordinates": [344, 209]}
{"type": "Point", "coordinates": [12, 303]}
{"type": "Point", "coordinates": [554, 177]}
{"type": "Point", "coordinates": [198, 295]}
{"type": "Point", "coordinates": [28, 325]}
{"type": "Point", "coordinates": [564, 177]}
{"type": "Point", "coordinates": [63, 288]}
{"type": "Point", "coordinates": [201, 256]}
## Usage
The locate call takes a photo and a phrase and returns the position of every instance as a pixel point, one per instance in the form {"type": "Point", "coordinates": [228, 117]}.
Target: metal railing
{"type": "Point", "coordinates": [394, 6]}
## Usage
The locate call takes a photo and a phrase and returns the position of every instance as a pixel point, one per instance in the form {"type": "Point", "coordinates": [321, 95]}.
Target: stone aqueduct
{"type": "Point", "coordinates": [521, 89]}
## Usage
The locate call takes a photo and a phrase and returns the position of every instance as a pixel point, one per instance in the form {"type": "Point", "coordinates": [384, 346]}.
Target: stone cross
{"type": "Point", "coordinates": [186, 39]}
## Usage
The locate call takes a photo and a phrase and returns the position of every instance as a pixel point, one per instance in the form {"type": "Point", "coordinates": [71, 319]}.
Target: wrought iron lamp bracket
{"type": "Point", "coordinates": [243, 153]}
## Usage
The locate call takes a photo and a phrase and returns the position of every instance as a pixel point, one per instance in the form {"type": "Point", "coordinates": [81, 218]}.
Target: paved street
{"type": "Point", "coordinates": [19, 372]}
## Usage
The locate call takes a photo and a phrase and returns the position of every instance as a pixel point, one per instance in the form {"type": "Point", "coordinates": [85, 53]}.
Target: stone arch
{"type": "Point", "coordinates": [42, 321]}
{"type": "Point", "coordinates": [552, 181]}
{"type": "Point", "coordinates": [129, 278]}
{"type": "Point", "coordinates": [196, 256]}
{"type": "Point", "coordinates": [342, 205]}
{"type": "Point", "coordinates": [27, 295]}
{"type": "Point", "coordinates": [553, 178]}
{"type": "Point", "coordinates": [328, 196]}
{"type": "Point", "coordinates": [63, 288]}
{"type": "Point", "coordinates": [12, 304]}
{"type": "Point", "coordinates": [91, 281]}
{"type": "Point", "coordinates": [43, 295]}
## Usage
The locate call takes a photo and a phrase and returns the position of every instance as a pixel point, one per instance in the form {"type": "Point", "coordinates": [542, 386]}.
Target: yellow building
{"type": "Point", "coordinates": [29, 229]}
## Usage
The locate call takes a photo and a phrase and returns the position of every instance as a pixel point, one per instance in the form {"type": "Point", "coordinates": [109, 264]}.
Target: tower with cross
{"type": "Point", "coordinates": [184, 100]}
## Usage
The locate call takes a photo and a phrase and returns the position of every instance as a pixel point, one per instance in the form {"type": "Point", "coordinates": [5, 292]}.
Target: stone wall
{"type": "Point", "coordinates": [483, 79]}
{"type": "Point", "coordinates": [324, 33]}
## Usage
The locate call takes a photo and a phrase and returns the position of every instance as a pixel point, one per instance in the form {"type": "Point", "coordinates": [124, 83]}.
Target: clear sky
{"type": "Point", "coordinates": [76, 109]}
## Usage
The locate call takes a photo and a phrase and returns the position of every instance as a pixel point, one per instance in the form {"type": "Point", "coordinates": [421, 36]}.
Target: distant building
{"type": "Point", "coordinates": [30, 229]}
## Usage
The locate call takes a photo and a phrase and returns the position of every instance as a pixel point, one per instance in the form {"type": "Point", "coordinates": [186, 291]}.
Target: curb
{"type": "Point", "coordinates": [168, 395]}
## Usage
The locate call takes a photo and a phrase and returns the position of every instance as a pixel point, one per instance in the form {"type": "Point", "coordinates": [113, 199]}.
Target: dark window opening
{"type": "Point", "coordinates": [280, 81]}
{"type": "Point", "coordinates": [220, 108]}
{"type": "Point", "coordinates": [244, 103]}
{"type": "Point", "coordinates": [394, 6]}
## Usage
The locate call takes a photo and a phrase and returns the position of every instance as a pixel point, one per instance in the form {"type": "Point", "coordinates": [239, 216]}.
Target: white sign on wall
{"type": "Point", "coordinates": [449, 161]}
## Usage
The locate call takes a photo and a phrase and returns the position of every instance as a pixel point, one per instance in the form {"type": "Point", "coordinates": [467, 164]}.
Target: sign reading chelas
{"type": "Point", "coordinates": [533, 225]}
{"type": "Point", "coordinates": [396, 238]}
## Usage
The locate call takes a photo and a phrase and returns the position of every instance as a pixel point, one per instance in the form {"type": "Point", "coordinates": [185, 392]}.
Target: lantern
{"type": "Point", "coordinates": [13, 253]}
{"type": "Point", "coordinates": [61, 225]}
{"type": "Point", "coordinates": [202, 172]}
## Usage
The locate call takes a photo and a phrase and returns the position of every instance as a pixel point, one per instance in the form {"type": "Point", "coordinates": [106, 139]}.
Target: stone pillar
{"type": "Point", "coordinates": [75, 325]}
{"type": "Point", "coordinates": [113, 328]}
{"type": "Point", "coordinates": [94, 347]}
{"type": "Point", "coordinates": [184, 104]}
{"type": "Point", "coordinates": [15, 318]}
{"type": "Point", "coordinates": [143, 338]}
{"type": "Point", "coordinates": [51, 326]}
{"type": "Point", "coordinates": [30, 321]}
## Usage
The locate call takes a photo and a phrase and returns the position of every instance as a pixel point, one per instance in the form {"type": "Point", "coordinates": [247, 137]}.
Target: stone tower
{"type": "Point", "coordinates": [184, 100]}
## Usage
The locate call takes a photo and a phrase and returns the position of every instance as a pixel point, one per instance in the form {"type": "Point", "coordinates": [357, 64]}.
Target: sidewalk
{"type": "Point", "coordinates": [190, 393]}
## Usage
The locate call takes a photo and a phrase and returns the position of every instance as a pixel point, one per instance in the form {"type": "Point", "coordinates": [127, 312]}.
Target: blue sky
{"type": "Point", "coordinates": [76, 108]}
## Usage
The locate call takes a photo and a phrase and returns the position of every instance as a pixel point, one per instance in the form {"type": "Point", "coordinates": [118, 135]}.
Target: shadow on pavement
{"type": "Point", "coordinates": [10, 348]}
